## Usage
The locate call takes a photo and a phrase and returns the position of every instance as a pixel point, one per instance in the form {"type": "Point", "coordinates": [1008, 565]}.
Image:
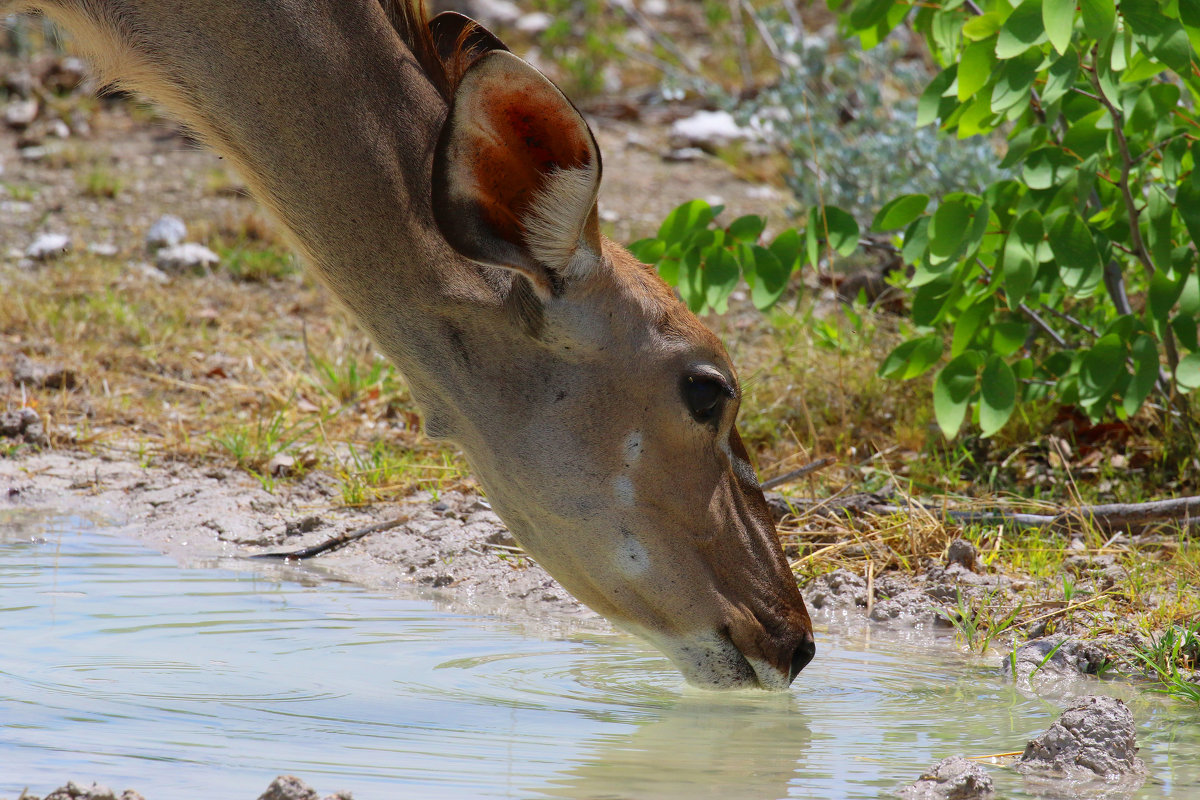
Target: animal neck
{"type": "Point", "coordinates": [331, 121]}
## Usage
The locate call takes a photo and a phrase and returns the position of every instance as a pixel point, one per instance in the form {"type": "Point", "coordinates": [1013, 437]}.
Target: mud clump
{"type": "Point", "coordinates": [75, 791]}
{"type": "Point", "coordinates": [1053, 659]}
{"type": "Point", "coordinates": [1094, 740]}
{"type": "Point", "coordinates": [953, 778]}
{"type": "Point", "coordinates": [289, 787]}
{"type": "Point", "coordinates": [25, 425]}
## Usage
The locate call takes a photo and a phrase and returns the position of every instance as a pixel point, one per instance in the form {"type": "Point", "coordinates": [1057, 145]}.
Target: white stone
{"type": "Point", "coordinates": [536, 22]}
{"type": "Point", "coordinates": [102, 249]}
{"type": "Point", "coordinates": [708, 129]}
{"type": "Point", "coordinates": [496, 11]}
{"type": "Point", "coordinates": [21, 113]}
{"type": "Point", "coordinates": [48, 246]}
{"type": "Point", "coordinates": [167, 231]}
{"type": "Point", "coordinates": [186, 257]}
{"type": "Point", "coordinates": [149, 271]}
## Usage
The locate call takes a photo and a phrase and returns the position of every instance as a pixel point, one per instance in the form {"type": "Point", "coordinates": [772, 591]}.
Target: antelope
{"type": "Point", "coordinates": [445, 191]}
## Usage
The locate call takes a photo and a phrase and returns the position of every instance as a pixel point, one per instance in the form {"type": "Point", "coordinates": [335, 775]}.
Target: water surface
{"type": "Point", "coordinates": [119, 666]}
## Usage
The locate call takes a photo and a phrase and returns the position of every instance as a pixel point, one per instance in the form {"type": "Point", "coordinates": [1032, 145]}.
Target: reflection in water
{"type": "Point", "coordinates": [118, 666]}
{"type": "Point", "coordinates": [690, 749]}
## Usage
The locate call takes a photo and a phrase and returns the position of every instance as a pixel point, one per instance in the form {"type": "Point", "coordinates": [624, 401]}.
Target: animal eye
{"type": "Point", "coordinates": [704, 396]}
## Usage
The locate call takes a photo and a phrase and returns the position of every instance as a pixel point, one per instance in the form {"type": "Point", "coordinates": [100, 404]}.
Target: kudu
{"type": "Point", "coordinates": [446, 192]}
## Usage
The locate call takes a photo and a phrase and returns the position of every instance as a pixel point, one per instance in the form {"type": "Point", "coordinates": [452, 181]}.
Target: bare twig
{"type": "Point", "coordinates": [797, 474]}
{"type": "Point", "coordinates": [336, 542]}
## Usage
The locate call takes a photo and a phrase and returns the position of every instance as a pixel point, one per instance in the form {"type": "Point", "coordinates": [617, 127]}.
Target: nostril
{"type": "Point", "coordinates": [804, 654]}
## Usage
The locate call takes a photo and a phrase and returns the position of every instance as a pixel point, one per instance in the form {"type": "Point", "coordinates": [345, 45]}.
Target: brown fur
{"type": "Point", "coordinates": [333, 111]}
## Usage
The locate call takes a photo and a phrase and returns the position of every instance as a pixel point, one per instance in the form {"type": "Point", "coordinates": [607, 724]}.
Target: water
{"type": "Point", "coordinates": [117, 665]}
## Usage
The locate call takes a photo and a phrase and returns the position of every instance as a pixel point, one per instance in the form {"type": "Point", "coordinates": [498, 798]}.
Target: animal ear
{"type": "Point", "coordinates": [515, 175]}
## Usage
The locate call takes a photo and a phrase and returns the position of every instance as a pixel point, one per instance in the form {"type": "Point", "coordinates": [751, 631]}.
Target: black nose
{"type": "Point", "coordinates": [804, 654]}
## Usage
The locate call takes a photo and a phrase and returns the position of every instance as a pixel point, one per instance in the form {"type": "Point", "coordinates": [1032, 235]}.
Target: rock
{"type": "Point", "coordinates": [1053, 658]}
{"type": "Point", "coordinates": [536, 22]}
{"type": "Point", "coordinates": [281, 465]}
{"type": "Point", "coordinates": [963, 553]}
{"type": "Point", "coordinates": [708, 130]}
{"type": "Point", "coordinates": [26, 372]}
{"type": "Point", "coordinates": [186, 257]}
{"type": "Point", "coordinates": [20, 114]}
{"type": "Point", "coordinates": [19, 82]}
{"type": "Point", "coordinates": [289, 787]}
{"type": "Point", "coordinates": [103, 249]}
{"type": "Point", "coordinates": [306, 525]}
{"type": "Point", "coordinates": [48, 246]}
{"type": "Point", "coordinates": [1095, 738]}
{"type": "Point", "coordinates": [73, 791]}
{"type": "Point", "coordinates": [839, 588]}
{"type": "Point", "coordinates": [681, 155]}
{"type": "Point", "coordinates": [167, 231]}
{"type": "Point", "coordinates": [24, 424]}
{"type": "Point", "coordinates": [149, 271]}
{"type": "Point", "coordinates": [953, 778]}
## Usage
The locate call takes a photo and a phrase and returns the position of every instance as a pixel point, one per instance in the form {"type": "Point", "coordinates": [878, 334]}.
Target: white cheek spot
{"type": "Point", "coordinates": [632, 448]}
{"type": "Point", "coordinates": [623, 489]}
{"type": "Point", "coordinates": [632, 558]}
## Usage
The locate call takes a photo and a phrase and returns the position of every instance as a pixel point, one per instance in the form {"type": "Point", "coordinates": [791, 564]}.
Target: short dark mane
{"type": "Point", "coordinates": [442, 62]}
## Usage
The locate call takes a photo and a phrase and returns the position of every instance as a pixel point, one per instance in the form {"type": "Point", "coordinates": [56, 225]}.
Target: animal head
{"type": "Point", "coordinates": [601, 415]}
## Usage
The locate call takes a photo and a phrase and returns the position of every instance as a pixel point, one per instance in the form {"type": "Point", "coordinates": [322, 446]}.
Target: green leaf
{"type": "Point", "coordinates": [1187, 200]}
{"type": "Point", "coordinates": [766, 274]}
{"type": "Point", "coordinates": [1014, 81]}
{"type": "Point", "coordinates": [1163, 294]}
{"type": "Point", "coordinates": [997, 395]}
{"type": "Point", "coordinates": [1059, 18]}
{"type": "Point", "coordinates": [1100, 368]}
{"type": "Point", "coordinates": [1099, 17]}
{"type": "Point", "coordinates": [1075, 251]}
{"type": "Point", "coordinates": [747, 228]}
{"type": "Point", "coordinates": [899, 212]}
{"type": "Point", "coordinates": [952, 390]}
{"type": "Point", "coordinates": [686, 220]}
{"type": "Point", "coordinates": [1022, 30]}
{"type": "Point", "coordinates": [1145, 373]}
{"type": "Point", "coordinates": [975, 68]}
{"type": "Point", "coordinates": [648, 251]}
{"type": "Point", "coordinates": [948, 227]}
{"type": "Point", "coordinates": [1047, 167]}
{"type": "Point", "coordinates": [841, 230]}
{"type": "Point", "coordinates": [968, 324]}
{"type": "Point", "coordinates": [1088, 135]}
{"type": "Point", "coordinates": [1060, 77]}
{"type": "Point", "coordinates": [1163, 36]}
{"type": "Point", "coordinates": [788, 247]}
{"type": "Point", "coordinates": [912, 358]}
{"type": "Point", "coordinates": [1187, 372]}
{"type": "Point", "coordinates": [1019, 266]}
{"type": "Point", "coordinates": [1189, 12]}
{"type": "Point", "coordinates": [982, 27]}
{"type": "Point", "coordinates": [1006, 338]}
{"type": "Point", "coordinates": [929, 107]}
{"type": "Point", "coordinates": [1158, 230]}
{"type": "Point", "coordinates": [721, 276]}
{"type": "Point", "coordinates": [812, 240]}
{"type": "Point", "coordinates": [867, 13]}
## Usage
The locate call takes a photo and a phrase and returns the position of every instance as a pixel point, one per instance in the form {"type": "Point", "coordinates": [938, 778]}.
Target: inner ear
{"type": "Point", "coordinates": [516, 173]}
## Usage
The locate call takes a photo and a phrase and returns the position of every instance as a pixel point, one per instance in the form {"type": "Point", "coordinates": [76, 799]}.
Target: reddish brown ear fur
{"type": "Point", "coordinates": [509, 133]}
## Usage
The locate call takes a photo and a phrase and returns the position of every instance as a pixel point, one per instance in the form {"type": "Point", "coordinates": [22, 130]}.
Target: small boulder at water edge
{"type": "Point", "coordinates": [953, 778]}
{"type": "Point", "coordinates": [289, 787]}
{"type": "Point", "coordinates": [1093, 740]}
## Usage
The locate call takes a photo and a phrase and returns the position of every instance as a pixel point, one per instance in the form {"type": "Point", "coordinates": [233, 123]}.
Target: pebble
{"type": "Point", "coordinates": [708, 130]}
{"type": "Point", "coordinates": [186, 257]}
{"type": "Point", "coordinates": [102, 249]}
{"type": "Point", "coordinates": [26, 372]}
{"type": "Point", "coordinates": [536, 22]}
{"type": "Point", "coordinates": [167, 231]}
{"type": "Point", "coordinates": [48, 246]}
{"type": "Point", "coordinates": [963, 553]}
{"type": "Point", "coordinates": [20, 114]}
{"type": "Point", "coordinates": [953, 778]}
{"type": "Point", "coordinates": [149, 271]}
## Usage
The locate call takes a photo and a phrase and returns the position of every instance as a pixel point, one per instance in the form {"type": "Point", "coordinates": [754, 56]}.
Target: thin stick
{"type": "Point", "coordinates": [797, 474]}
{"type": "Point", "coordinates": [335, 542]}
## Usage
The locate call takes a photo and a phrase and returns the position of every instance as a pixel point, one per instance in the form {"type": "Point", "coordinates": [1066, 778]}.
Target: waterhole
{"type": "Point", "coordinates": [119, 666]}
